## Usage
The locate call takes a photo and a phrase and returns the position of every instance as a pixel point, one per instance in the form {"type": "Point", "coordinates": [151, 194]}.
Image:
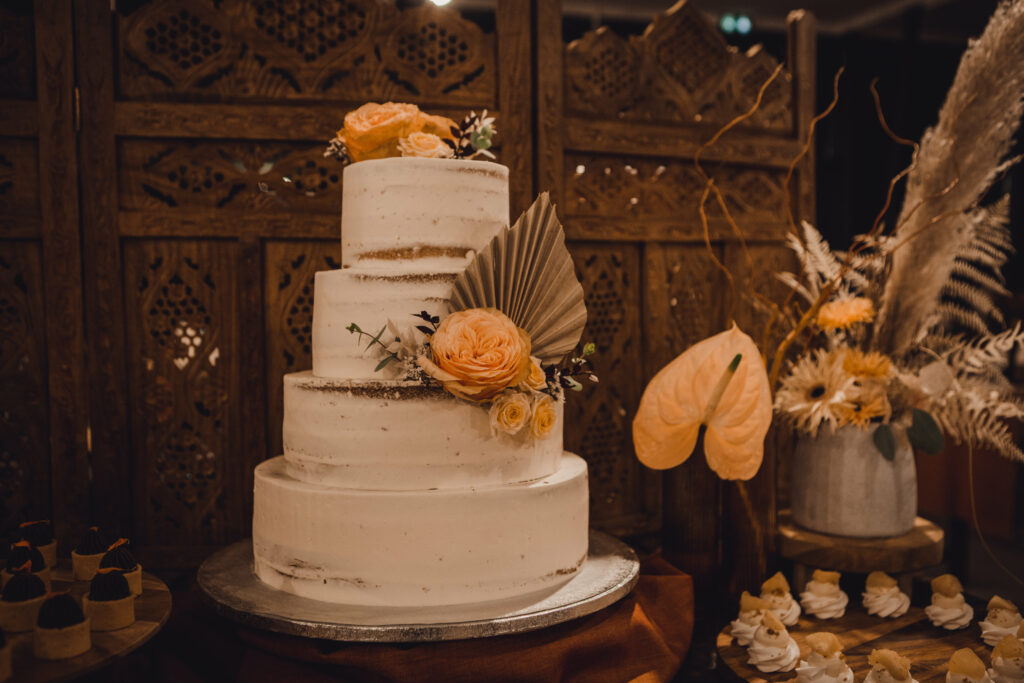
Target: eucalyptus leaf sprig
{"type": "Point", "coordinates": [375, 339]}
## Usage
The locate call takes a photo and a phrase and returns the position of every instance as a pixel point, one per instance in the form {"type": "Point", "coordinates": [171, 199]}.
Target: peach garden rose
{"type": "Point", "coordinates": [510, 412]}
{"type": "Point", "coordinates": [373, 131]}
{"type": "Point", "coordinates": [477, 353]}
{"type": "Point", "coordinates": [543, 417]}
{"type": "Point", "coordinates": [425, 145]}
{"type": "Point", "coordinates": [536, 380]}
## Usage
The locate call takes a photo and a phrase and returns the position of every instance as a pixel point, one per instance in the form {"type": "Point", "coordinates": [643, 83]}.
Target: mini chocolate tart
{"type": "Point", "coordinates": [20, 602]}
{"type": "Point", "coordinates": [25, 559]}
{"type": "Point", "coordinates": [119, 557]}
{"type": "Point", "coordinates": [62, 630]}
{"type": "Point", "coordinates": [39, 534]}
{"type": "Point", "coordinates": [110, 604]}
{"type": "Point", "coordinates": [85, 559]}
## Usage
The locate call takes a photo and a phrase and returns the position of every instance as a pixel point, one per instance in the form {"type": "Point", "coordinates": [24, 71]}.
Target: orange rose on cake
{"type": "Point", "coordinates": [543, 419]}
{"type": "Point", "coordinates": [510, 412]}
{"type": "Point", "coordinates": [373, 131]}
{"type": "Point", "coordinates": [425, 145]}
{"type": "Point", "coordinates": [477, 353]}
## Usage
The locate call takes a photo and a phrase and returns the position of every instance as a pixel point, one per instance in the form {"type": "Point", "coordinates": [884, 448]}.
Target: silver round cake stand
{"type": "Point", "coordinates": [609, 573]}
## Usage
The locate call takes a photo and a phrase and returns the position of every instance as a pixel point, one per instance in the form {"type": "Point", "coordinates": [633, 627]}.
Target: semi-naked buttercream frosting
{"type": "Point", "coordinates": [402, 436]}
{"type": "Point", "coordinates": [419, 548]}
{"type": "Point", "coordinates": [408, 228]}
{"type": "Point", "coordinates": [391, 491]}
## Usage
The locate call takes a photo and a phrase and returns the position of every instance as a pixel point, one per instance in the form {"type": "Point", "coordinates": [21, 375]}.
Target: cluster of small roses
{"type": "Point", "coordinates": [480, 355]}
{"type": "Point", "coordinates": [379, 131]}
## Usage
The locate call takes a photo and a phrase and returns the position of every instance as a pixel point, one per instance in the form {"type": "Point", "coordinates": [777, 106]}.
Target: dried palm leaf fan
{"type": "Point", "coordinates": [526, 272]}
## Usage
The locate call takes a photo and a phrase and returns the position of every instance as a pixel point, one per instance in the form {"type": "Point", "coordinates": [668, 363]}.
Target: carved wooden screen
{"type": "Point", "coordinates": [200, 285]}
{"type": "Point", "coordinates": [619, 123]}
{"type": "Point", "coordinates": [43, 422]}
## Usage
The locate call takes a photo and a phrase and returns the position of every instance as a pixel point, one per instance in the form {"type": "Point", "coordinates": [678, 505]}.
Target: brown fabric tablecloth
{"type": "Point", "coordinates": [643, 637]}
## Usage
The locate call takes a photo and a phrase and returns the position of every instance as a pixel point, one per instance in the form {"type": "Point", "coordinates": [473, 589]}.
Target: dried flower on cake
{"type": "Point", "coordinates": [477, 353]}
{"type": "Point", "coordinates": [843, 314]}
{"type": "Point", "coordinates": [426, 145]}
{"type": "Point", "coordinates": [510, 411]}
{"type": "Point", "coordinates": [543, 416]}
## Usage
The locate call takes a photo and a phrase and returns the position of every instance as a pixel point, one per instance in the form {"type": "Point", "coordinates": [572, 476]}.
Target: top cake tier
{"type": "Point", "coordinates": [409, 226]}
{"type": "Point", "coordinates": [408, 214]}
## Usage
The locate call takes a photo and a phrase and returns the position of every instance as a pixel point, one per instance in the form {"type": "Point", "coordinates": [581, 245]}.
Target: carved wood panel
{"type": "Point", "coordinates": [183, 370]}
{"type": "Point", "coordinates": [356, 50]}
{"type": "Point", "coordinates": [679, 70]}
{"type": "Point", "coordinates": [619, 189]}
{"type": "Point", "coordinates": [288, 315]}
{"type": "Point", "coordinates": [160, 175]}
{"type": "Point", "coordinates": [598, 418]}
{"type": "Point", "coordinates": [620, 121]}
{"type": "Point", "coordinates": [24, 432]}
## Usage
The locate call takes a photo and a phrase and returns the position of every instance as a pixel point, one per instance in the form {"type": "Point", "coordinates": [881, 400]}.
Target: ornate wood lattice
{"type": "Point", "coordinates": [301, 49]}
{"type": "Point", "coordinates": [620, 120]}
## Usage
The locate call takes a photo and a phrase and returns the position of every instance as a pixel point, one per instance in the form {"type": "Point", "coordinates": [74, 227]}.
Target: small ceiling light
{"type": "Point", "coordinates": [727, 23]}
{"type": "Point", "coordinates": [743, 24]}
{"type": "Point", "coordinates": [440, 3]}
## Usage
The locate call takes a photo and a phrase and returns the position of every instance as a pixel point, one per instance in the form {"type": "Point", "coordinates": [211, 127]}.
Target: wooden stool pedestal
{"type": "Point", "coordinates": [899, 556]}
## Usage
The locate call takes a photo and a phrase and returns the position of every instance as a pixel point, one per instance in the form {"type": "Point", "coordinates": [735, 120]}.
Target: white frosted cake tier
{"type": "Point", "coordinates": [430, 213]}
{"type": "Point", "coordinates": [419, 548]}
{"type": "Point", "coordinates": [403, 436]}
{"type": "Point", "coordinates": [368, 299]}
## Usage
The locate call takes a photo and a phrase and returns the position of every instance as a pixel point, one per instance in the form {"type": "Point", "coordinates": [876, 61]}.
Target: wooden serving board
{"type": "Point", "coordinates": [912, 635]}
{"type": "Point", "coordinates": [152, 610]}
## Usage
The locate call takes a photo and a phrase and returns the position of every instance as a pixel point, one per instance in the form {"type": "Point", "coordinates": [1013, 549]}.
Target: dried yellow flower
{"type": "Point", "coordinates": [874, 364]}
{"type": "Point", "coordinates": [843, 314]}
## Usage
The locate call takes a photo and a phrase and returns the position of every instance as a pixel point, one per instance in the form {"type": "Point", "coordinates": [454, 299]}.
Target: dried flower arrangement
{"type": "Point", "coordinates": [903, 329]}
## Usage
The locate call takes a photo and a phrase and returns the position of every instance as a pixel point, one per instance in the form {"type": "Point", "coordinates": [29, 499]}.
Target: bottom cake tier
{"type": "Point", "coordinates": [419, 548]}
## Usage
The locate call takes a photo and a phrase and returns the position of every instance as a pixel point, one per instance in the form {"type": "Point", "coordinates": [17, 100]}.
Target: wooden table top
{"type": "Point", "coordinates": [152, 610]}
{"type": "Point", "coordinates": [912, 635]}
{"type": "Point", "coordinates": [920, 548]}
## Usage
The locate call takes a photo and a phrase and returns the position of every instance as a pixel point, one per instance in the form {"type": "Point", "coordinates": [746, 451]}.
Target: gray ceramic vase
{"type": "Point", "coordinates": [842, 485]}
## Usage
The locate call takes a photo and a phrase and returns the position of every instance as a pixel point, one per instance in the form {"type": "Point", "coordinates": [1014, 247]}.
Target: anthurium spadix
{"type": "Point", "coordinates": [718, 386]}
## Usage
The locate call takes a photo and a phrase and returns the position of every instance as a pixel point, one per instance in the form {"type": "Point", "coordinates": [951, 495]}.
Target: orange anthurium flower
{"type": "Point", "coordinates": [719, 384]}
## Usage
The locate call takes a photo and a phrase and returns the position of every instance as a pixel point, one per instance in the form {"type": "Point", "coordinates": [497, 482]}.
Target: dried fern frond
{"type": "Point", "coordinates": [959, 159]}
{"type": "Point", "coordinates": [992, 350]}
{"type": "Point", "coordinates": [968, 300]}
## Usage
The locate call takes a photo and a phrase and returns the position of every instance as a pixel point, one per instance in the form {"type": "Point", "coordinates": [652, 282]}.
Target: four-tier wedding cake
{"type": "Point", "coordinates": [394, 489]}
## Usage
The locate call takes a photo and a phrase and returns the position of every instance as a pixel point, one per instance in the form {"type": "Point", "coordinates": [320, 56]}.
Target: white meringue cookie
{"type": "Point", "coordinates": [886, 602]}
{"type": "Point", "coordinates": [745, 626]}
{"type": "Point", "coordinates": [823, 600]}
{"type": "Point", "coordinates": [993, 633]}
{"type": "Point", "coordinates": [818, 668]}
{"type": "Point", "coordinates": [769, 658]}
{"type": "Point", "coordinates": [1007, 670]}
{"type": "Point", "coordinates": [949, 613]}
{"type": "Point", "coordinates": [785, 607]}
